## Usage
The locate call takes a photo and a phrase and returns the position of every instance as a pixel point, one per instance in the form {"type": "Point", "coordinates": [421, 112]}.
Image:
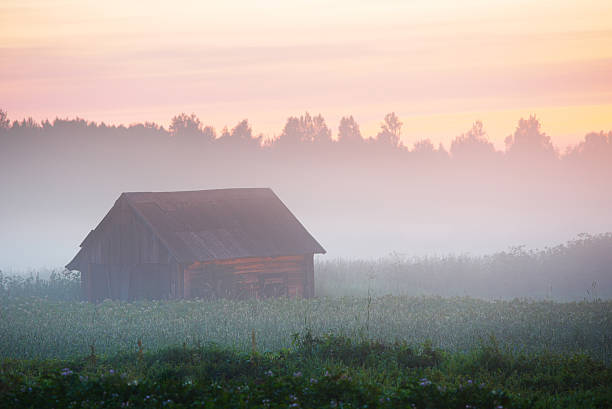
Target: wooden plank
{"type": "Point", "coordinates": [199, 264]}
{"type": "Point", "coordinates": [253, 276]}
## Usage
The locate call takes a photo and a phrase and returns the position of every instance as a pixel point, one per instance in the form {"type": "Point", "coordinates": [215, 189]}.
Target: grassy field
{"type": "Point", "coordinates": [40, 328]}
{"type": "Point", "coordinates": [385, 352]}
{"type": "Point", "coordinates": [352, 347]}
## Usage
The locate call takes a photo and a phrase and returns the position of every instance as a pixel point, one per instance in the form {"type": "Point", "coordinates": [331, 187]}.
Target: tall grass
{"type": "Point", "coordinates": [580, 269]}
{"type": "Point", "coordinates": [59, 285]}
{"type": "Point", "coordinates": [34, 327]}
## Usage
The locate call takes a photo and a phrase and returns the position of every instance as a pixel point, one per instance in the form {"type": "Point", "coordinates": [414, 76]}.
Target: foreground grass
{"type": "Point", "coordinates": [41, 328]}
{"type": "Point", "coordinates": [317, 372]}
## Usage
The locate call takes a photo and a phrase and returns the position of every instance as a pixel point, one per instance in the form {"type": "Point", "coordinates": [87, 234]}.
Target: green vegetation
{"type": "Point", "coordinates": [58, 285]}
{"type": "Point", "coordinates": [574, 271]}
{"type": "Point", "coordinates": [41, 328]}
{"type": "Point", "coordinates": [330, 352]}
{"type": "Point", "coordinates": [316, 372]}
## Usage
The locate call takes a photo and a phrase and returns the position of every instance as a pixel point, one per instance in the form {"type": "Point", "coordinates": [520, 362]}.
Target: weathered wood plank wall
{"type": "Point", "coordinates": [126, 260]}
{"type": "Point", "coordinates": [250, 277]}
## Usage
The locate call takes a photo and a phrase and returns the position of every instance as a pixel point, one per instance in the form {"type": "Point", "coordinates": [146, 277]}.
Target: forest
{"type": "Point", "coordinates": [361, 196]}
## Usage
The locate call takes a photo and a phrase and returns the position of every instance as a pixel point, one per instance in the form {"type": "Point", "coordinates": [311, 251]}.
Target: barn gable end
{"type": "Point", "coordinates": [122, 258]}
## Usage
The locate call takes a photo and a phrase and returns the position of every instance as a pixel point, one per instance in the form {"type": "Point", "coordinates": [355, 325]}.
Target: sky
{"type": "Point", "coordinates": [439, 65]}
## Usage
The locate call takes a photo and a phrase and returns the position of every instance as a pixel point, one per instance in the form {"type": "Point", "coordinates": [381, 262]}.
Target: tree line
{"type": "Point", "coordinates": [527, 141]}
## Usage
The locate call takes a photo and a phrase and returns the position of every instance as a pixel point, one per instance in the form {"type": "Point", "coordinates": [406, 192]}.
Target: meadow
{"type": "Point", "coordinates": [42, 328]}
{"type": "Point", "coordinates": [376, 336]}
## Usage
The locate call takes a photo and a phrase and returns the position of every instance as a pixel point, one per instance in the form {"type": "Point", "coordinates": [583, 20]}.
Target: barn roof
{"type": "Point", "coordinates": [207, 225]}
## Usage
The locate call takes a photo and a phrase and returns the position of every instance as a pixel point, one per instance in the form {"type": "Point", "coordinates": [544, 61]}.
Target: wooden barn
{"type": "Point", "coordinates": [234, 243]}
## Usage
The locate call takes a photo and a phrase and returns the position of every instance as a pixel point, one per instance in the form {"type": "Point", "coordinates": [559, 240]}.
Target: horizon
{"type": "Point", "coordinates": [561, 145]}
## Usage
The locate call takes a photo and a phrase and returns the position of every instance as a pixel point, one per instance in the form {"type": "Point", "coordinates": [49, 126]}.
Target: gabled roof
{"type": "Point", "coordinates": [207, 225]}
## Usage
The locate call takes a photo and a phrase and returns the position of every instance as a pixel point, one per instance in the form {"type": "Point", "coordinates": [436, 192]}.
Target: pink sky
{"type": "Point", "coordinates": [439, 65]}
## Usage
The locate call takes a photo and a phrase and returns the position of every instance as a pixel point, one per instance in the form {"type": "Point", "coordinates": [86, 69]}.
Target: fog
{"type": "Point", "coordinates": [360, 196]}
